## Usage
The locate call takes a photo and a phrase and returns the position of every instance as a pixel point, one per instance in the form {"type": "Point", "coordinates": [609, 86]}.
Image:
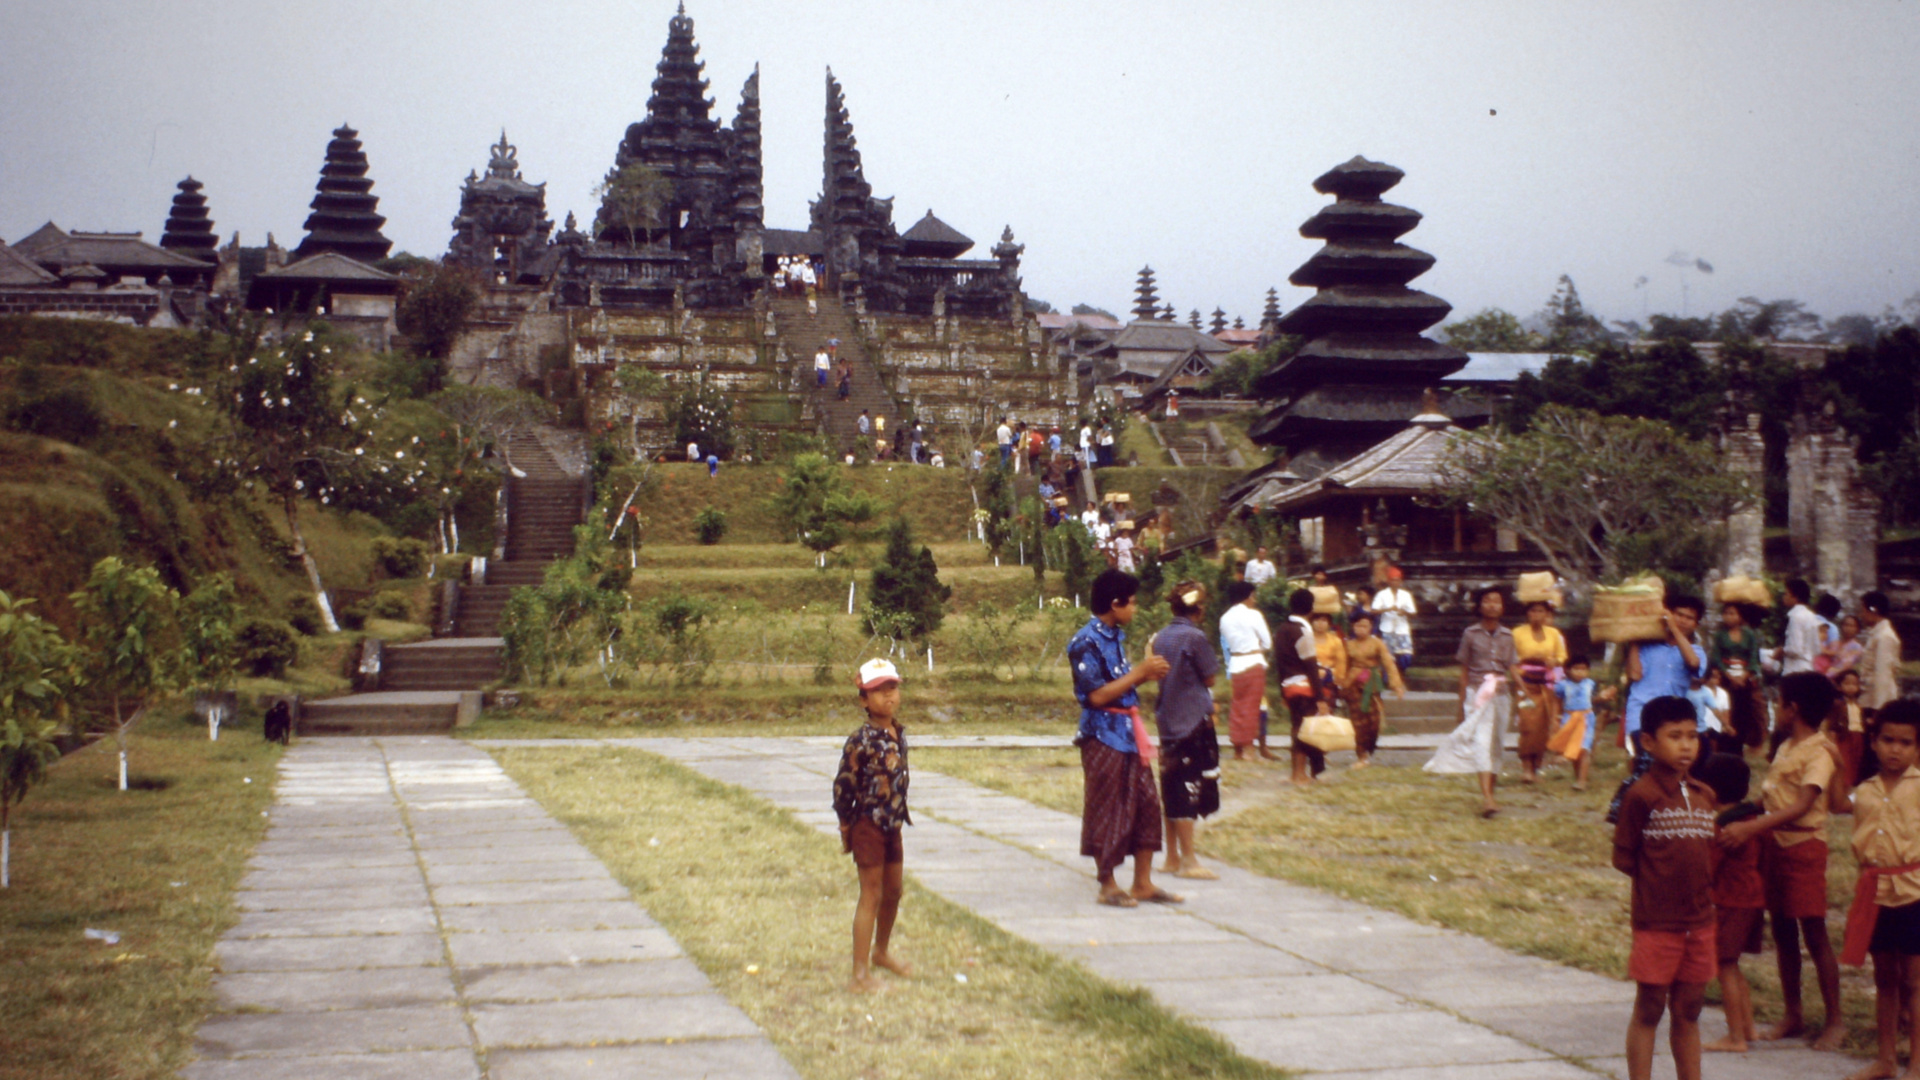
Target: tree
{"type": "Point", "coordinates": [1600, 496]}
{"type": "Point", "coordinates": [1239, 373]}
{"type": "Point", "coordinates": [1089, 309]}
{"type": "Point", "coordinates": [817, 507]}
{"type": "Point", "coordinates": [37, 670]}
{"type": "Point", "coordinates": [997, 503]}
{"type": "Point", "coordinates": [208, 618]}
{"type": "Point", "coordinates": [1777, 320]}
{"type": "Point", "coordinates": [1668, 382]}
{"type": "Point", "coordinates": [435, 306]}
{"type": "Point", "coordinates": [1039, 307]}
{"type": "Point", "coordinates": [296, 436]}
{"type": "Point", "coordinates": [906, 593]}
{"type": "Point", "coordinates": [703, 413]}
{"type": "Point", "coordinates": [1492, 330]}
{"type": "Point", "coordinates": [633, 198]}
{"type": "Point", "coordinates": [486, 416]}
{"type": "Point", "coordinates": [1668, 327]}
{"type": "Point", "coordinates": [1570, 327]}
{"type": "Point", "coordinates": [130, 637]}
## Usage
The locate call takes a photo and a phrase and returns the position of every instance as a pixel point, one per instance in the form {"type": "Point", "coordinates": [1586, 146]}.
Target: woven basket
{"type": "Point", "coordinates": [1326, 599]}
{"type": "Point", "coordinates": [1532, 588]}
{"type": "Point", "coordinates": [1633, 612]}
{"type": "Point", "coordinates": [1742, 590]}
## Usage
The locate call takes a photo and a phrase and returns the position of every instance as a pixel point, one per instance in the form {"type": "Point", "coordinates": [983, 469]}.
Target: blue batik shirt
{"type": "Point", "coordinates": [1098, 654]}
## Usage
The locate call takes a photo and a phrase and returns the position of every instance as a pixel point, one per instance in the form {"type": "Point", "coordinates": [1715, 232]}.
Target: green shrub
{"type": "Point", "coordinates": [389, 605]}
{"type": "Point", "coordinates": [53, 407]}
{"type": "Point", "coordinates": [403, 557]}
{"type": "Point", "coordinates": [710, 525]}
{"type": "Point", "coordinates": [267, 647]}
{"type": "Point", "coordinates": [908, 599]}
{"type": "Point", "coordinates": [303, 615]}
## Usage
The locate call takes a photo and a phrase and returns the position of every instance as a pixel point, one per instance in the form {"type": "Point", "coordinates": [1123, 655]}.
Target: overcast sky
{"type": "Point", "coordinates": [1777, 141]}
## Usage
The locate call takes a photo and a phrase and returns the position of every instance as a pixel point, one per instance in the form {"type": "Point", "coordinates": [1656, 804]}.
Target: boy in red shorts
{"type": "Point", "coordinates": [1739, 896]}
{"type": "Point", "coordinates": [870, 795]}
{"type": "Point", "coordinates": [1885, 920]}
{"type": "Point", "coordinates": [1664, 841]}
{"type": "Point", "coordinates": [1793, 859]}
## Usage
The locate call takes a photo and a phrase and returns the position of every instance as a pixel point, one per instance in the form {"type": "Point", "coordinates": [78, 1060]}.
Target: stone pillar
{"type": "Point", "coordinates": [1743, 453]}
{"type": "Point", "coordinates": [1863, 513]}
{"type": "Point", "coordinates": [1832, 515]}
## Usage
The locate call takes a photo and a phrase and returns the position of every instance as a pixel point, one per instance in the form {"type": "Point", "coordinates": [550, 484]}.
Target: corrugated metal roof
{"type": "Point", "coordinates": [1488, 367]}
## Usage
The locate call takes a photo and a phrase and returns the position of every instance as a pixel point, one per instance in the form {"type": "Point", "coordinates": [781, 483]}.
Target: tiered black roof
{"type": "Point", "coordinates": [935, 239]}
{"type": "Point", "coordinates": [189, 230]}
{"type": "Point", "coordinates": [1219, 322]}
{"type": "Point", "coordinates": [343, 218]}
{"type": "Point", "coordinates": [1146, 301]}
{"type": "Point", "coordinates": [1270, 315]}
{"type": "Point", "coordinates": [1365, 363]}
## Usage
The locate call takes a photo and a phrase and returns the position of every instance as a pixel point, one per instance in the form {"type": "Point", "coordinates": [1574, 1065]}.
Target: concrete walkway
{"type": "Point", "coordinates": [413, 915]}
{"type": "Point", "coordinates": [1289, 975]}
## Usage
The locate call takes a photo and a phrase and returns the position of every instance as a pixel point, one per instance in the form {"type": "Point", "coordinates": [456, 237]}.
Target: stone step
{"type": "Point", "coordinates": [386, 713]}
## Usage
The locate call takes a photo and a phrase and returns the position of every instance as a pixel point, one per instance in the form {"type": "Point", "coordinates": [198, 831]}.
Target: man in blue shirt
{"type": "Point", "coordinates": [1121, 815]}
{"type": "Point", "coordinates": [1660, 669]}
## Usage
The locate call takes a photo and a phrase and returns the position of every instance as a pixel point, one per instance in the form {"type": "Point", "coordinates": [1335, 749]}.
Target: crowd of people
{"type": "Point", "coordinates": [1710, 868]}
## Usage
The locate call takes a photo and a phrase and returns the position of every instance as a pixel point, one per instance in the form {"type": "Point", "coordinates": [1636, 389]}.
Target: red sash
{"type": "Point", "coordinates": [1147, 750]}
{"type": "Point", "coordinates": [1864, 913]}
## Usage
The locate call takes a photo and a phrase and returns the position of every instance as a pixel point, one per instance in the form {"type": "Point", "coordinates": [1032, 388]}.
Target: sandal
{"type": "Point", "coordinates": [1198, 873]}
{"type": "Point", "coordinates": [1490, 812]}
{"type": "Point", "coordinates": [1118, 899]}
{"type": "Point", "coordinates": [1159, 896]}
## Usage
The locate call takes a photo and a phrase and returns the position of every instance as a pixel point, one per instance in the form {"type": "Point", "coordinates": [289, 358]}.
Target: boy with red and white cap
{"type": "Point", "coordinates": [870, 796]}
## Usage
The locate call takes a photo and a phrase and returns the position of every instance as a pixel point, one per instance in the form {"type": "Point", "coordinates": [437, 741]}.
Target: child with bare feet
{"type": "Point", "coordinates": [1664, 841]}
{"type": "Point", "coordinates": [1189, 745]}
{"type": "Point", "coordinates": [870, 796]}
{"type": "Point", "coordinates": [1739, 897]}
{"type": "Point", "coordinates": [1885, 919]}
{"type": "Point", "coordinates": [1793, 856]}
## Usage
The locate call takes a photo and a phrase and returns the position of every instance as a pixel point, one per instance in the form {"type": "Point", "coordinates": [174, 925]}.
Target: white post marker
{"type": "Point", "coordinates": [213, 722]}
{"type": "Point", "coordinates": [123, 770]}
{"type": "Point", "coordinates": [929, 659]}
{"type": "Point", "coordinates": [849, 597]}
{"type": "Point", "coordinates": [6, 855]}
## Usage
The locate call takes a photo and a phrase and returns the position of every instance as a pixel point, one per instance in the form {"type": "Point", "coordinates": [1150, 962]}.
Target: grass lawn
{"type": "Point", "coordinates": [1538, 880]}
{"type": "Point", "coordinates": [777, 710]}
{"type": "Point", "coordinates": [763, 904]}
{"type": "Point", "coordinates": [157, 865]}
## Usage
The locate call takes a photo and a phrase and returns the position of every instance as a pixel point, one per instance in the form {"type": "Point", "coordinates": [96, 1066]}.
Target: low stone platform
{"type": "Point", "coordinates": [413, 915]}
{"type": "Point", "coordinates": [396, 712]}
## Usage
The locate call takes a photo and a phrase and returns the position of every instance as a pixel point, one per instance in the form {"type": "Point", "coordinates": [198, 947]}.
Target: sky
{"type": "Point", "coordinates": [1775, 141]}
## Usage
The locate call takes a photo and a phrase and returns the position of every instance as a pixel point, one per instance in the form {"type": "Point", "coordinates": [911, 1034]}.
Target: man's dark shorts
{"type": "Point", "coordinates": [873, 846]}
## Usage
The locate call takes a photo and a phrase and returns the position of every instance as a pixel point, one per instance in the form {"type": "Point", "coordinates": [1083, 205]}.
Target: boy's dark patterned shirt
{"type": "Point", "coordinates": [872, 781]}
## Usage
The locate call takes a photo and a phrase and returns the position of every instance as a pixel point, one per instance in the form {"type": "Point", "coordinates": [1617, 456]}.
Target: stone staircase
{"type": "Point", "coordinates": [805, 334]}
{"type": "Point", "coordinates": [434, 686]}
{"type": "Point", "coordinates": [1193, 448]}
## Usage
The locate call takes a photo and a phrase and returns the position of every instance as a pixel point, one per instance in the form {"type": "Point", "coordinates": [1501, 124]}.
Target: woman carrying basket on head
{"type": "Point", "coordinates": [1542, 652]}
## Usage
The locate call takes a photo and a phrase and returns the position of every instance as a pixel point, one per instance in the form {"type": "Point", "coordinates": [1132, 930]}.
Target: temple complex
{"type": "Point", "coordinates": [344, 218]}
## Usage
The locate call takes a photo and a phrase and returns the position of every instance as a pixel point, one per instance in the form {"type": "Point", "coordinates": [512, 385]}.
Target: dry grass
{"type": "Point", "coordinates": [158, 865]}
{"type": "Point", "coordinates": [740, 886]}
{"type": "Point", "coordinates": [1538, 880]}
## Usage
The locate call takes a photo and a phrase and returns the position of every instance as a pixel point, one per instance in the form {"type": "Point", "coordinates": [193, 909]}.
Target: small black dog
{"type": "Point", "coordinates": [279, 724]}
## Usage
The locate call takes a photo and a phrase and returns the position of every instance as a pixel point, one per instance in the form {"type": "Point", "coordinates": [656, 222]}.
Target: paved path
{"type": "Point", "coordinates": [1289, 975]}
{"type": "Point", "coordinates": [413, 915]}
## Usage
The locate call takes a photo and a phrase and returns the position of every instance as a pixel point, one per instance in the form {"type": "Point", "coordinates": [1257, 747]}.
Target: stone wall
{"type": "Point", "coordinates": [134, 307]}
{"type": "Point", "coordinates": [963, 372]}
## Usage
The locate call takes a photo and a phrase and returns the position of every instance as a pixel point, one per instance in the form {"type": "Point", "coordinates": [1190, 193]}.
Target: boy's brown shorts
{"type": "Point", "coordinates": [1796, 878]}
{"type": "Point", "coordinates": [873, 846]}
{"type": "Point", "coordinates": [1739, 930]}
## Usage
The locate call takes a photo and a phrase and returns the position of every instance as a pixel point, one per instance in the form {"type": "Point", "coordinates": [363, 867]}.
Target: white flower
{"type": "Point", "coordinates": [173, 386]}
{"type": "Point", "coordinates": [299, 485]}
{"type": "Point", "coordinates": [357, 451]}
{"type": "Point", "coordinates": [173, 423]}
{"type": "Point", "coordinates": [308, 337]}
{"type": "Point", "coordinates": [416, 440]}
{"type": "Point", "coordinates": [285, 400]}
{"type": "Point", "coordinates": [398, 454]}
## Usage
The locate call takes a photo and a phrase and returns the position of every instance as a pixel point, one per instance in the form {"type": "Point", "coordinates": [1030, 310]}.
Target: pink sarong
{"type": "Point", "coordinates": [1243, 719]}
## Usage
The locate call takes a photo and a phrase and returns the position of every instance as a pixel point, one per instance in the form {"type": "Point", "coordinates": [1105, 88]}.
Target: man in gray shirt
{"type": "Point", "coordinates": [1190, 748]}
